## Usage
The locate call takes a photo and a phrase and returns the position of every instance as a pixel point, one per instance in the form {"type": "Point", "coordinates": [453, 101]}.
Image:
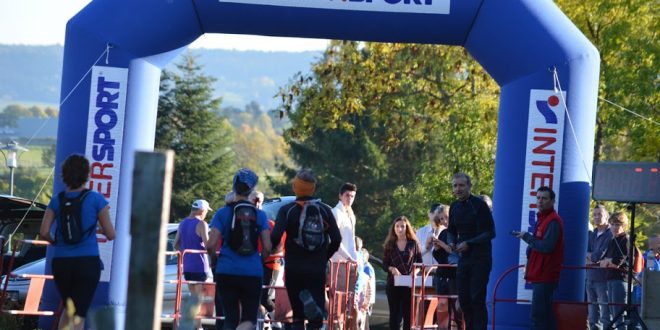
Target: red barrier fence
{"type": "Point", "coordinates": [569, 314]}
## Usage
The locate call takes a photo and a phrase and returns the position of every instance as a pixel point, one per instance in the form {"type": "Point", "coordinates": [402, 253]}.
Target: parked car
{"type": "Point", "coordinates": [20, 218]}
{"type": "Point", "coordinates": [17, 287]}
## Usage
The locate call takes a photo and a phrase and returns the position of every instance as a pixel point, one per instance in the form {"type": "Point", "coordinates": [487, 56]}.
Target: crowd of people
{"type": "Point", "coordinates": [246, 251]}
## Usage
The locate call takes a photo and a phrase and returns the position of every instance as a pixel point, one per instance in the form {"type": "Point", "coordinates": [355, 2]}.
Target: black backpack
{"type": "Point", "coordinates": [70, 222]}
{"type": "Point", "coordinates": [311, 225]}
{"type": "Point", "coordinates": [244, 233]}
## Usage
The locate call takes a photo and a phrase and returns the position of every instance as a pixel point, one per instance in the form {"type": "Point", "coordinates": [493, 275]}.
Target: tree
{"type": "Point", "coordinates": [188, 123]}
{"type": "Point", "coordinates": [395, 119]}
{"type": "Point", "coordinates": [625, 33]}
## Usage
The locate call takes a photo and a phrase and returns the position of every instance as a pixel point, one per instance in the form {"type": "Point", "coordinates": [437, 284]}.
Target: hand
{"type": "Point", "coordinates": [429, 241]}
{"type": "Point", "coordinates": [518, 234]}
{"type": "Point", "coordinates": [462, 247]}
{"type": "Point", "coordinates": [607, 262]}
{"type": "Point", "coordinates": [394, 271]}
{"type": "Point", "coordinates": [589, 258]}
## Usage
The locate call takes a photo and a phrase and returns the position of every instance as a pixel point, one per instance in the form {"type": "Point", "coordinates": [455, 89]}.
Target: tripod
{"type": "Point", "coordinates": [629, 310]}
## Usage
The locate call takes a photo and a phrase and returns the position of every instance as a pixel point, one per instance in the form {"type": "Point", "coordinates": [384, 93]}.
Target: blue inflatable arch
{"type": "Point", "coordinates": [528, 46]}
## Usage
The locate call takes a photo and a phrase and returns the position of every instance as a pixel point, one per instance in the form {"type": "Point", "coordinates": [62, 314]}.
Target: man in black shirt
{"type": "Point", "coordinates": [471, 228]}
{"type": "Point", "coordinates": [305, 268]}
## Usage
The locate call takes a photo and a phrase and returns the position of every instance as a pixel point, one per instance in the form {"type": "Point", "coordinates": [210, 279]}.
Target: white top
{"type": "Point", "coordinates": [346, 224]}
{"type": "Point", "coordinates": [422, 235]}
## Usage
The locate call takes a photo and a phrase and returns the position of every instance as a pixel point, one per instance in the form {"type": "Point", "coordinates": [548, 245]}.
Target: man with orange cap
{"type": "Point", "coordinates": [312, 238]}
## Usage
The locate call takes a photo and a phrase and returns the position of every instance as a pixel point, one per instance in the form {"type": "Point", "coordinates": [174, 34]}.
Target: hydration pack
{"type": "Point", "coordinates": [70, 220]}
{"type": "Point", "coordinates": [311, 226]}
{"type": "Point", "coordinates": [244, 233]}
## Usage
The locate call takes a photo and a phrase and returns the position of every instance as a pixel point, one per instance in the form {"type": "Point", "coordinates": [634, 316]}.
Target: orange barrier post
{"type": "Point", "coordinates": [437, 302]}
{"type": "Point", "coordinates": [35, 289]}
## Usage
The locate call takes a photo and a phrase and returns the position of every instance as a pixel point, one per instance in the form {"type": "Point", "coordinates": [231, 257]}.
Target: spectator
{"type": "Point", "coordinates": [545, 256]}
{"type": "Point", "coordinates": [192, 234]}
{"type": "Point", "coordinates": [599, 239]}
{"type": "Point", "coordinates": [616, 262]}
{"type": "Point", "coordinates": [401, 252]}
{"type": "Point", "coordinates": [305, 269]}
{"type": "Point", "coordinates": [239, 267]}
{"type": "Point", "coordinates": [370, 297]}
{"type": "Point", "coordinates": [76, 266]}
{"type": "Point", "coordinates": [361, 302]}
{"type": "Point", "coordinates": [470, 230]}
{"type": "Point", "coordinates": [427, 234]}
{"type": "Point", "coordinates": [651, 263]}
{"type": "Point", "coordinates": [343, 213]}
{"type": "Point", "coordinates": [444, 279]}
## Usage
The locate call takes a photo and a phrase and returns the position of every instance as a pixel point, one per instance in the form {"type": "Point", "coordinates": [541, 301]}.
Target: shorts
{"type": "Point", "coordinates": [77, 278]}
{"type": "Point", "coordinates": [194, 276]}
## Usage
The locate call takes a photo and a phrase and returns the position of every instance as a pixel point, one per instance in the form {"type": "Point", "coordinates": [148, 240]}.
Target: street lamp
{"type": "Point", "coordinates": [10, 152]}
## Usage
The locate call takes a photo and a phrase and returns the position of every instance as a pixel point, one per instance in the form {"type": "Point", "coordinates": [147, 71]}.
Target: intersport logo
{"type": "Point", "coordinates": [395, 6]}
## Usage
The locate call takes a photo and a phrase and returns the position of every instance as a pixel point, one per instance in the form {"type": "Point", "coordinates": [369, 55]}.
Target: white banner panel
{"type": "Point", "coordinates": [105, 129]}
{"type": "Point", "coordinates": [394, 6]}
{"type": "Point", "coordinates": [545, 139]}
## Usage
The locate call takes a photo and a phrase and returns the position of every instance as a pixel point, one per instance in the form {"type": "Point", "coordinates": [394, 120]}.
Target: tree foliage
{"type": "Point", "coordinates": [625, 33]}
{"type": "Point", "coordinates": [395, 119]}
{"type": "Point", "coordinates": [188, 123]}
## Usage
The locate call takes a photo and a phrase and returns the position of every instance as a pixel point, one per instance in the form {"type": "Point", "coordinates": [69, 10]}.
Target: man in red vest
{"type": "Point", "coordinates": [545, 255]}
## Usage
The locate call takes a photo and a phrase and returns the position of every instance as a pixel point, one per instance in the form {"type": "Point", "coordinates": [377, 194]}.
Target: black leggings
{"type": "Point", "coordinates": [235, 290]}
{"type": "Point", "coordinates": [398, 298]}
{"type": "Point", "coordinates": [77, 278]}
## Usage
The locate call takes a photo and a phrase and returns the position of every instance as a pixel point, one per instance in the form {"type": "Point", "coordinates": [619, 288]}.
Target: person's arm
{"type": "Point", "coordinates": [211, 244]}
{"type": "Point", "coordinates": [280, 226]}
{"type": "Point", "coordinates": [485, 225]}
{"type": "Point", "coordinates": [548, 242]}
{"type": "Point", "coordinates": [388, 265]}
{"type": "Point", "coordinates": [202, 230]}
{"type": "Point", "coordinates": [46, 223]}
{"type": "Point", "coordinates": [333, 232]}
{"type": "Point", "coordinates": [176, 239]}
{"type": "Point", "coordinates": [620, 254]}
{"type": "Point", "coordinates": [106, 224]}
{"type": "Point", "coordinates": [266, 246]}
{"type": "Point", "coordinates": [451, 228]}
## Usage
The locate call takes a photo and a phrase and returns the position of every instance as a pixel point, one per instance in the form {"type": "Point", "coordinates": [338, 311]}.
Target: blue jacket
{"type": "Point", "coordinates": [597, 246]}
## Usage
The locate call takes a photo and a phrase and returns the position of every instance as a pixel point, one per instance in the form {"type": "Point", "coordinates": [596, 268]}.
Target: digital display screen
{"type": "Point", "coordinates": [627, 182]}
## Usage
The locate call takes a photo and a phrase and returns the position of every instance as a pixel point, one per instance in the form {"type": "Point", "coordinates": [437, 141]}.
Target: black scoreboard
{"type": "Point", "coordinates": [627, 182]}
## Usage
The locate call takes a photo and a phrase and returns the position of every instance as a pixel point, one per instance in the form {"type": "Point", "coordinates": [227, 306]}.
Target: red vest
{"type": "Point", "coordinates": [545, 267]}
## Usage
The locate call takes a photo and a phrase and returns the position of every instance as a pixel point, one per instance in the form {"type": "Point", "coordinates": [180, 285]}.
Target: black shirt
{"type": "Point", "coordinates": [471, 221]}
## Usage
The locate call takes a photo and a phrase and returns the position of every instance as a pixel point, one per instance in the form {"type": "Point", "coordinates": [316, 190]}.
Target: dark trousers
{"type": "Point", "coordinates": [471, 281]}
{"type": "Point", "coordinates": [240, 298]}
{"type": "Point", "coordinates": [219, 311]}
{"type": "Point", "coordinates": [542, 316]}
{"type": "Point", "coordinates": [312, 282]}
{"type": "Point", "coordinates": [265, 299]}
{"type": "Point", "coordinates": [398, 299]}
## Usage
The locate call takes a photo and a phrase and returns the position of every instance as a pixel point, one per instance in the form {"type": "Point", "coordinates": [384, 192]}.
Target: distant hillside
{"type": "Point", "coordinates": [32, 74]}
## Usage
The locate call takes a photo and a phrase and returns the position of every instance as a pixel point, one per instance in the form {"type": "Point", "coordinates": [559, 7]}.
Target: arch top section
{"type": "Point", "coordinates": [409, 21]}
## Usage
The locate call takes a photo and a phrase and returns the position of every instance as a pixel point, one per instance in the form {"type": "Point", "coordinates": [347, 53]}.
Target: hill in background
{"type": "Point", "coordinates": [32, 74]}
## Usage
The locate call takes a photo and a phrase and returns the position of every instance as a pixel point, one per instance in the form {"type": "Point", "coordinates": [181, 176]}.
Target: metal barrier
{"type": "Point", "coordinates": [418, 299]}
{"type": "Point", "coordinates": [555, 302]}
{"type": "Point", "coordinates": [338, 300]}
{"type": "Point", "coordinates": [35, 288]}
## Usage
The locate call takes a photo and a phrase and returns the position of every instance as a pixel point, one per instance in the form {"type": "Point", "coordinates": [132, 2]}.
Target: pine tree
{"type": "Point", "coordinates": [188, 123]}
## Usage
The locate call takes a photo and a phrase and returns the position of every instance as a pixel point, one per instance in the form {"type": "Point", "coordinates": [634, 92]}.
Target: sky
{"type": "Point", "coordinates": [43, 22]}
